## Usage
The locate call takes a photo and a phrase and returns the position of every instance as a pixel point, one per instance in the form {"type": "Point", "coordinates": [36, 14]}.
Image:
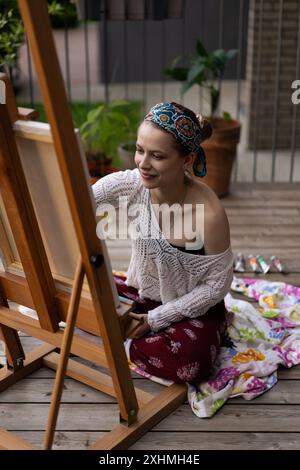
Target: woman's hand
{"type": "Point", "coordinates": [143, 328]}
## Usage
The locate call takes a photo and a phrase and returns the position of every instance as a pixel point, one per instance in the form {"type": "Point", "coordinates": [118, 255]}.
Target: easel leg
{"type": "Point", "coordinates": [13, 348]}
{"type": "Point", "coordinates": [64, 354]}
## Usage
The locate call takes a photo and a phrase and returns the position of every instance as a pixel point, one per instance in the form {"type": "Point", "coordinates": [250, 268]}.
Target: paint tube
{"type": "Point", "coordinates": [278, 265]}
{"type": "Point", "coordinates": [265, 267]}
{"type": "Point", "coordinates": [254, 264]}
{"type": "Point", "coordinates": [239, 263]}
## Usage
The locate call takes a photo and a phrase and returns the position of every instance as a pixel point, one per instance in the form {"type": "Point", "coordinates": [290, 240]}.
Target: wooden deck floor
{"type": "Point", "coordinates": [263, 219]}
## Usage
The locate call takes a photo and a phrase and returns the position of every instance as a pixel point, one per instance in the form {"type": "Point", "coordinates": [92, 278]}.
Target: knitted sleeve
{"type": "Point", "coordinates": [213, 288]}
{"type": "Point", "coordinates": [108, 189]}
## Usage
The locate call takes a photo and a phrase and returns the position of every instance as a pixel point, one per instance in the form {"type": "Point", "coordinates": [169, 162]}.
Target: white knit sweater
{"type": "Point", "coordinates": [186, 284]}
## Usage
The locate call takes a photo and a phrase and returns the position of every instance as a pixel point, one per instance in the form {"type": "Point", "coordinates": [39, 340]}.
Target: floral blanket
{"type": "Point", "coordinates": [257, 342]}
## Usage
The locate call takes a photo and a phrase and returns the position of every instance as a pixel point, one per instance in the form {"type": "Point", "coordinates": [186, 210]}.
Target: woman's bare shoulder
{"type": "Point", "coordinates": [202, 193]}
{"type": "Point", "coordinates": [216, 225]}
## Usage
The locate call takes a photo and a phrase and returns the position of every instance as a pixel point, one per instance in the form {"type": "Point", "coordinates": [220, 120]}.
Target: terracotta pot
{"type": "Point", "coordinates": [98, 163]}
{"type": "Point", "coordinates": [220, 151]}
{"type": "Point", "coordinates": [109, 169]}
{"type": "Point", "coordinates": [126, 154]}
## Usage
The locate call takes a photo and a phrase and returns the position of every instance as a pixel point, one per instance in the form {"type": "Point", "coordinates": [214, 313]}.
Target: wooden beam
{"type": "Point", "coordinates": [92, 378]}
{"type": "Point", "coordinates": [27, 114]}
{"type": "Point", "coordinates": [9, 441]}
{"type": "Point", "coordinates": [81, 347]}
{"type": "Point", "coordinates": [22, 219]}
{"type": "Point", "coordinates": [10, 99]}
{"type": "Point", "coordinates": [152, 413]}
{"type": "Point", "coordinates": [16, 289]}
{"type": "Point", "coordinates": [64, 355]}
{"type": "Point", "coordinates": [15, 112]}
{"type": "Point", "coordinates": [33, 361]}
{"type": "Point", "coordinates": [13, 348]}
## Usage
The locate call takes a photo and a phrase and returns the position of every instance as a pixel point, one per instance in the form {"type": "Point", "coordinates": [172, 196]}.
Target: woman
{"type": "Point", "coordinates": [179, 291]}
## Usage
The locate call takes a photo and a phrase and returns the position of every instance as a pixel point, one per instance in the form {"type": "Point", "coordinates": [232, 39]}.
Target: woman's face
{"type": "Point", "coordinates": [158, 161]}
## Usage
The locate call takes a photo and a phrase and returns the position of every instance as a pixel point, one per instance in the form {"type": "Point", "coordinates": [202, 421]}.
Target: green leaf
{"type": "Point", "coordinates": [177, 73]}
{"type": "Point", "coordinates": [185, 87]}
{"type": "Point", "coordinates": [95, 113]}
{"type": "Point", "coordinates": [219, 61]}
{"type": "Point", "coordinates": [195, 71]}
{"type": "Point", "coordinates": [119, 104]}
{"type": "Point", "coordinates": [175, 61]}
{"type": "Point", "coordinates": [201, 51]}
{"type": "Point", "coordinates": [227, 116]}
{"type": "Point", "coordinates": [231, 53]}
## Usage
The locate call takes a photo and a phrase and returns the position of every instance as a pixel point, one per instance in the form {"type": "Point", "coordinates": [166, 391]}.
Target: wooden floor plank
{"type": "Point", "coordinates": [96, 417]}
{"type": "Point", "coordinates": [238, 418]}
{"type": "Point", "coordinates": [285, 391]}
{"type": "Point", "coordinates": [262, 211]}
{"type": "Point", "coordinates": [271, 188]}
{"type": "Point", "coordinates": [103, 417]}
{"type": "Point", "coordinates": [261, 242]}
{"type": "Point", "coordinates": [218, 441]}
{"type": "Point", "coordinates": [73, 392]}
{"type": "Point", "coordinates": [282, 253]}
{"type": "Point", "coordinates": [260, 201]}
{"type": "Point", "coordinates": [242, 219]}
{"type": "Point", "coordinates": [289, 374]}
{"type": "Point", "coordinates": [265, 231]}
{"type": "Point", "coordinates": [27, 391]}
{"type": "Point", "coordinates": [173, 440]}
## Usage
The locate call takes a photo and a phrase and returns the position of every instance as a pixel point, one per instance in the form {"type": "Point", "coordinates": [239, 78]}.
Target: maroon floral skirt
{"type": "Point", "coordinates": [183, 352]}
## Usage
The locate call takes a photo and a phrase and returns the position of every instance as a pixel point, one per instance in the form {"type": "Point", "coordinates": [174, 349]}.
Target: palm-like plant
{"type": "Point", "coordinates": [205, 69]}
{"type": "Point", "coordinates": [108, 125]}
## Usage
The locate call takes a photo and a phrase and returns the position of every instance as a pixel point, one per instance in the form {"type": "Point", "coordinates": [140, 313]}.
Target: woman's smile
{"type": "Point", "coordinates": [146, 176]}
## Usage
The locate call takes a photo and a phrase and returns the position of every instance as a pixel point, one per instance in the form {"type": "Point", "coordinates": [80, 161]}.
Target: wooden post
{"type": "Point", "coordinates": [22, 219]}
{"type": "Point", "coordinates": [15, 113]}
{"type": "Point", "coordinates": [64, 355]}
{"type": "Point", "coordinates": [13, 348]}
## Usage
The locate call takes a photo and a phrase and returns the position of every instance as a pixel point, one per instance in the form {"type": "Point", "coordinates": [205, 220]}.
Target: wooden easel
{"type": "Point", "coordinates": [139, 411]}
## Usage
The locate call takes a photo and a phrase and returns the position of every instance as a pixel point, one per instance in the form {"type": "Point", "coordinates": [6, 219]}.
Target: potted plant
{"type": "Point", "coordinates": [126, 148]}
{"type": "Point", "coordinates": [11, 38]}
{"type": "Point", "coordinates": [106, 127]}
{"type": "Point", "coordinates": [62, 13]}
{"type": "Point", "coordinates": [206, 69]}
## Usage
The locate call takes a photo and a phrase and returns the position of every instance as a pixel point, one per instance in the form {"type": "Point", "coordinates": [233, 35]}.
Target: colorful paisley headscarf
{"type": "Point", "coordinates": [184, 129]}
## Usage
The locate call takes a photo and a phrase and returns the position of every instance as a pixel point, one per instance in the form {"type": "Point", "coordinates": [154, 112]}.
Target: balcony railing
{"type": "Point", "coordinates": [105, 58]}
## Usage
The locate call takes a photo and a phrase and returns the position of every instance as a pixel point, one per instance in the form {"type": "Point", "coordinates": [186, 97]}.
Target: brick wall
{"type": "Point", "coordinates": [262, 77]}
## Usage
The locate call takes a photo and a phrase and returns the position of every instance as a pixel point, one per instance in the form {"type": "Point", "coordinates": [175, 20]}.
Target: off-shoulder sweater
{"type": "Point", "coordinates": [186, 284]}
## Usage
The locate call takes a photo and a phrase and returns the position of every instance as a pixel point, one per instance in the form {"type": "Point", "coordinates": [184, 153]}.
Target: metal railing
{"type": "Point", "coordinates": [115, 80]}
